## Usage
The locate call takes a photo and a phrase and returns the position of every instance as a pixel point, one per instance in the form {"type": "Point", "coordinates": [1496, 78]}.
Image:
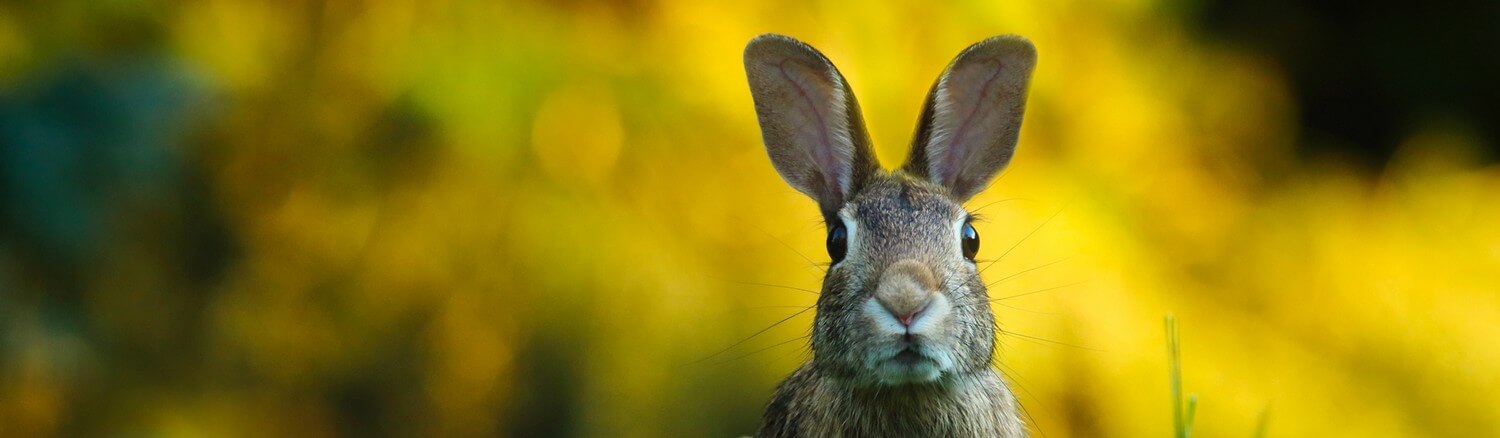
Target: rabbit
{"type": "Point", "coordinates": [904, 335]}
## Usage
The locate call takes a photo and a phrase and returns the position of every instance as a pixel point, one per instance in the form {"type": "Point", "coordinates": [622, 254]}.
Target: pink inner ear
{"type": "Point", "coordinates": [822, 155]}
{"type": "Point", "coordinates": [828, 148]}
{"type": "Point", "coordinates": [962, 113]}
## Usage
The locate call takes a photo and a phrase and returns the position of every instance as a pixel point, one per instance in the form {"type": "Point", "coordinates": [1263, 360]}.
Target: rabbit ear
{"type": "Point", "coordinates": [972, 116]}
{"type": "Point", "coordinates": [809, 120]}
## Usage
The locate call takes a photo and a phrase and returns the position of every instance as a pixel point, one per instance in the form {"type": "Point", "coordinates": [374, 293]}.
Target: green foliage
{"type": "Point", "coordinates": [1182, 414]}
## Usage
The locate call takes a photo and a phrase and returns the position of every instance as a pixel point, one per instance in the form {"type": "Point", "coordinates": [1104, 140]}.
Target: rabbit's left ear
{"type": "Point", "coordinates": [972, 117]}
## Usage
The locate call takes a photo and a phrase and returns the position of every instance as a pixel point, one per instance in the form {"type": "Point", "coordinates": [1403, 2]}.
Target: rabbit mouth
{"type": "Point", "coordinates": [908, 366]}
{"type": "Point", "coordinates": [909, 357]}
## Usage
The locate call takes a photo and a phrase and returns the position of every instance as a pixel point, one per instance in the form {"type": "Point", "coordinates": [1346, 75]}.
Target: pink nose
{"type": "Point", "coordinates": [906, 287]}
{"type": "Point", "coordinates": [906, 316]}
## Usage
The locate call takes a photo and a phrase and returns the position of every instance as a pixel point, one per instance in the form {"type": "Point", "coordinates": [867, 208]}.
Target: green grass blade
{"type": "Point", "coordinates": [1182, 415]}
{"type": "Point", "coordinates": [1174, 364]}
{"type": "Point", "coordinates": [1263, 423]}
{"type": "Point", "coordinates": [1187, 422]}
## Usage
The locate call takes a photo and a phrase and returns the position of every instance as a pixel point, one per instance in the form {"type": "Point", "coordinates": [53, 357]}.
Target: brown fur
{"type": "Point", "coordinates": [833, 396]}
{"type": "Point", "coordinates": [809, 405]}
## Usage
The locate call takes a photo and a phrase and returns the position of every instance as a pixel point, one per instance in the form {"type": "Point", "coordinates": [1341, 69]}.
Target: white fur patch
{"type": "Point", "coordinates": [838, 130]}
{"type": "Point", "coordinates": [939, 139]}
{"type": "Point", "coordinates": [958, 235]}
{"type": "Point", "coordinates": [928, 339]}
{"type": "Point", "coordinates": [851, 231]}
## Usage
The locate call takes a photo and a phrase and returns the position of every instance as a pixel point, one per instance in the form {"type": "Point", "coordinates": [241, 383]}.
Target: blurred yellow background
{"type": "Point", "coordinates": [450, 218]}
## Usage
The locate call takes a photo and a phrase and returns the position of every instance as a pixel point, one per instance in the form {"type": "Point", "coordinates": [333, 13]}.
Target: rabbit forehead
{"type": "Point", "coordinates": [897, 214]}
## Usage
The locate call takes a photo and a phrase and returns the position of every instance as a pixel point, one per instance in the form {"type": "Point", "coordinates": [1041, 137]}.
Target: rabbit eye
{"type": "Point", "coordinates": [970, 241]}
{"type": "Point", "coordinates": [838, 242]}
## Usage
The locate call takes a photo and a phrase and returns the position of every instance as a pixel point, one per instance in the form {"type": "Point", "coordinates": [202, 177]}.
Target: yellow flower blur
{"type": "Point", "coordinates": [456, 218]}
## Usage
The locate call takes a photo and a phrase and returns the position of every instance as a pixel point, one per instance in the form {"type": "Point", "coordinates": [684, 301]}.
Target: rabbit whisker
{"type": "Point", "coordinates": [758, 333]}
{"type": "Point", "coordinates": [760, 350]}
{"type": "Point", "coordinates": [1023, 239]}
{"type": "Point", "coordinates": [1023, 271]}
{"type": "Point", "coordinates": [1038, 312]}
{"type": "Point", "coordinates": [1013, 376]}
{"type": "Point", "coordinates": [1039, 291]}
{"type": "Point", "coordinates": [751, 283]}
{"type": "Point", "coordinates": [982, 207]}
{"type": "Point", "coordinates": [806, 348]}
{"type": "Point", "coordinates": [794, 250]}
{"type": "Point", "coordinates": [1045, 340]}
{"type": "Point", "coordinates": [1037, 339]}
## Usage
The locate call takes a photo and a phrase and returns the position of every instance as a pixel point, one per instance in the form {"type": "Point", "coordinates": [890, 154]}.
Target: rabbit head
{"type": "Point", "coordinates": [902, 302]}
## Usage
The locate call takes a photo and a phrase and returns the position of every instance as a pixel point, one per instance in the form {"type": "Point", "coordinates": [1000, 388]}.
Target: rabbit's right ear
{"type": "Point", "coordinates": [809, 120]}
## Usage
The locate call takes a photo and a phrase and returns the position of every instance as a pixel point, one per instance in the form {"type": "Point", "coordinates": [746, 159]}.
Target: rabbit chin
{"type": "Point", "coordinates": [909, 367]}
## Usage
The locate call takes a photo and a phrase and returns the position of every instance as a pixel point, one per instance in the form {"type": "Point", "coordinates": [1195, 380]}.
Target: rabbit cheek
{"type": "Point", "coordinates": [974, 329]}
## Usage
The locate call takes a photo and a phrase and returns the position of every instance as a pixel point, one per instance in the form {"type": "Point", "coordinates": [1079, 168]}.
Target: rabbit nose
{"type": "Point", "coordinates": [906, 287]}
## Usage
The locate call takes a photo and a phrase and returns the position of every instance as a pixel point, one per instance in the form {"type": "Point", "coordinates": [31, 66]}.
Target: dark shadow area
{"type": "Point", "coordinates": [1367, 75]}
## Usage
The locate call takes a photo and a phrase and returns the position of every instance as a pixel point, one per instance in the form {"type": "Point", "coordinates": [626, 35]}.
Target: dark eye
{"type": "Point", "coordinates": [970, 241]}
{"type": "Point", "coordinates": [838, 242]}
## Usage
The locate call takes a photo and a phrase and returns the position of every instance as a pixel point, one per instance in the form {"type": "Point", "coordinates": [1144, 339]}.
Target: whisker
{"type": "Point", "coordinates": [1039, 291]}
{"type": "Point", "coordinates": [963, 304]}
{"type": "Point", "coordinates": [1025, 310]}
{"type": "Point", "coordinates": [1023, 271]}
{"type": "Point", "coordinates": [1023, 239]}
{"type": "Point", "coordinates": [982, 207]}
{"type": "Point", "coordinates": [751, 283]}
{"type": "Point", "coordinates": [794, 250]}
{"type": "Point", "coordinates": [1039, 339]}
{"type": "Point", "coordinates": [757, 351]}
{"type": "Point", "coordinates": [1013, 377]}
{"type": "Point", "coordinates": [742, 341]}
{"type": "Point", "coordinates": [804, 350]}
